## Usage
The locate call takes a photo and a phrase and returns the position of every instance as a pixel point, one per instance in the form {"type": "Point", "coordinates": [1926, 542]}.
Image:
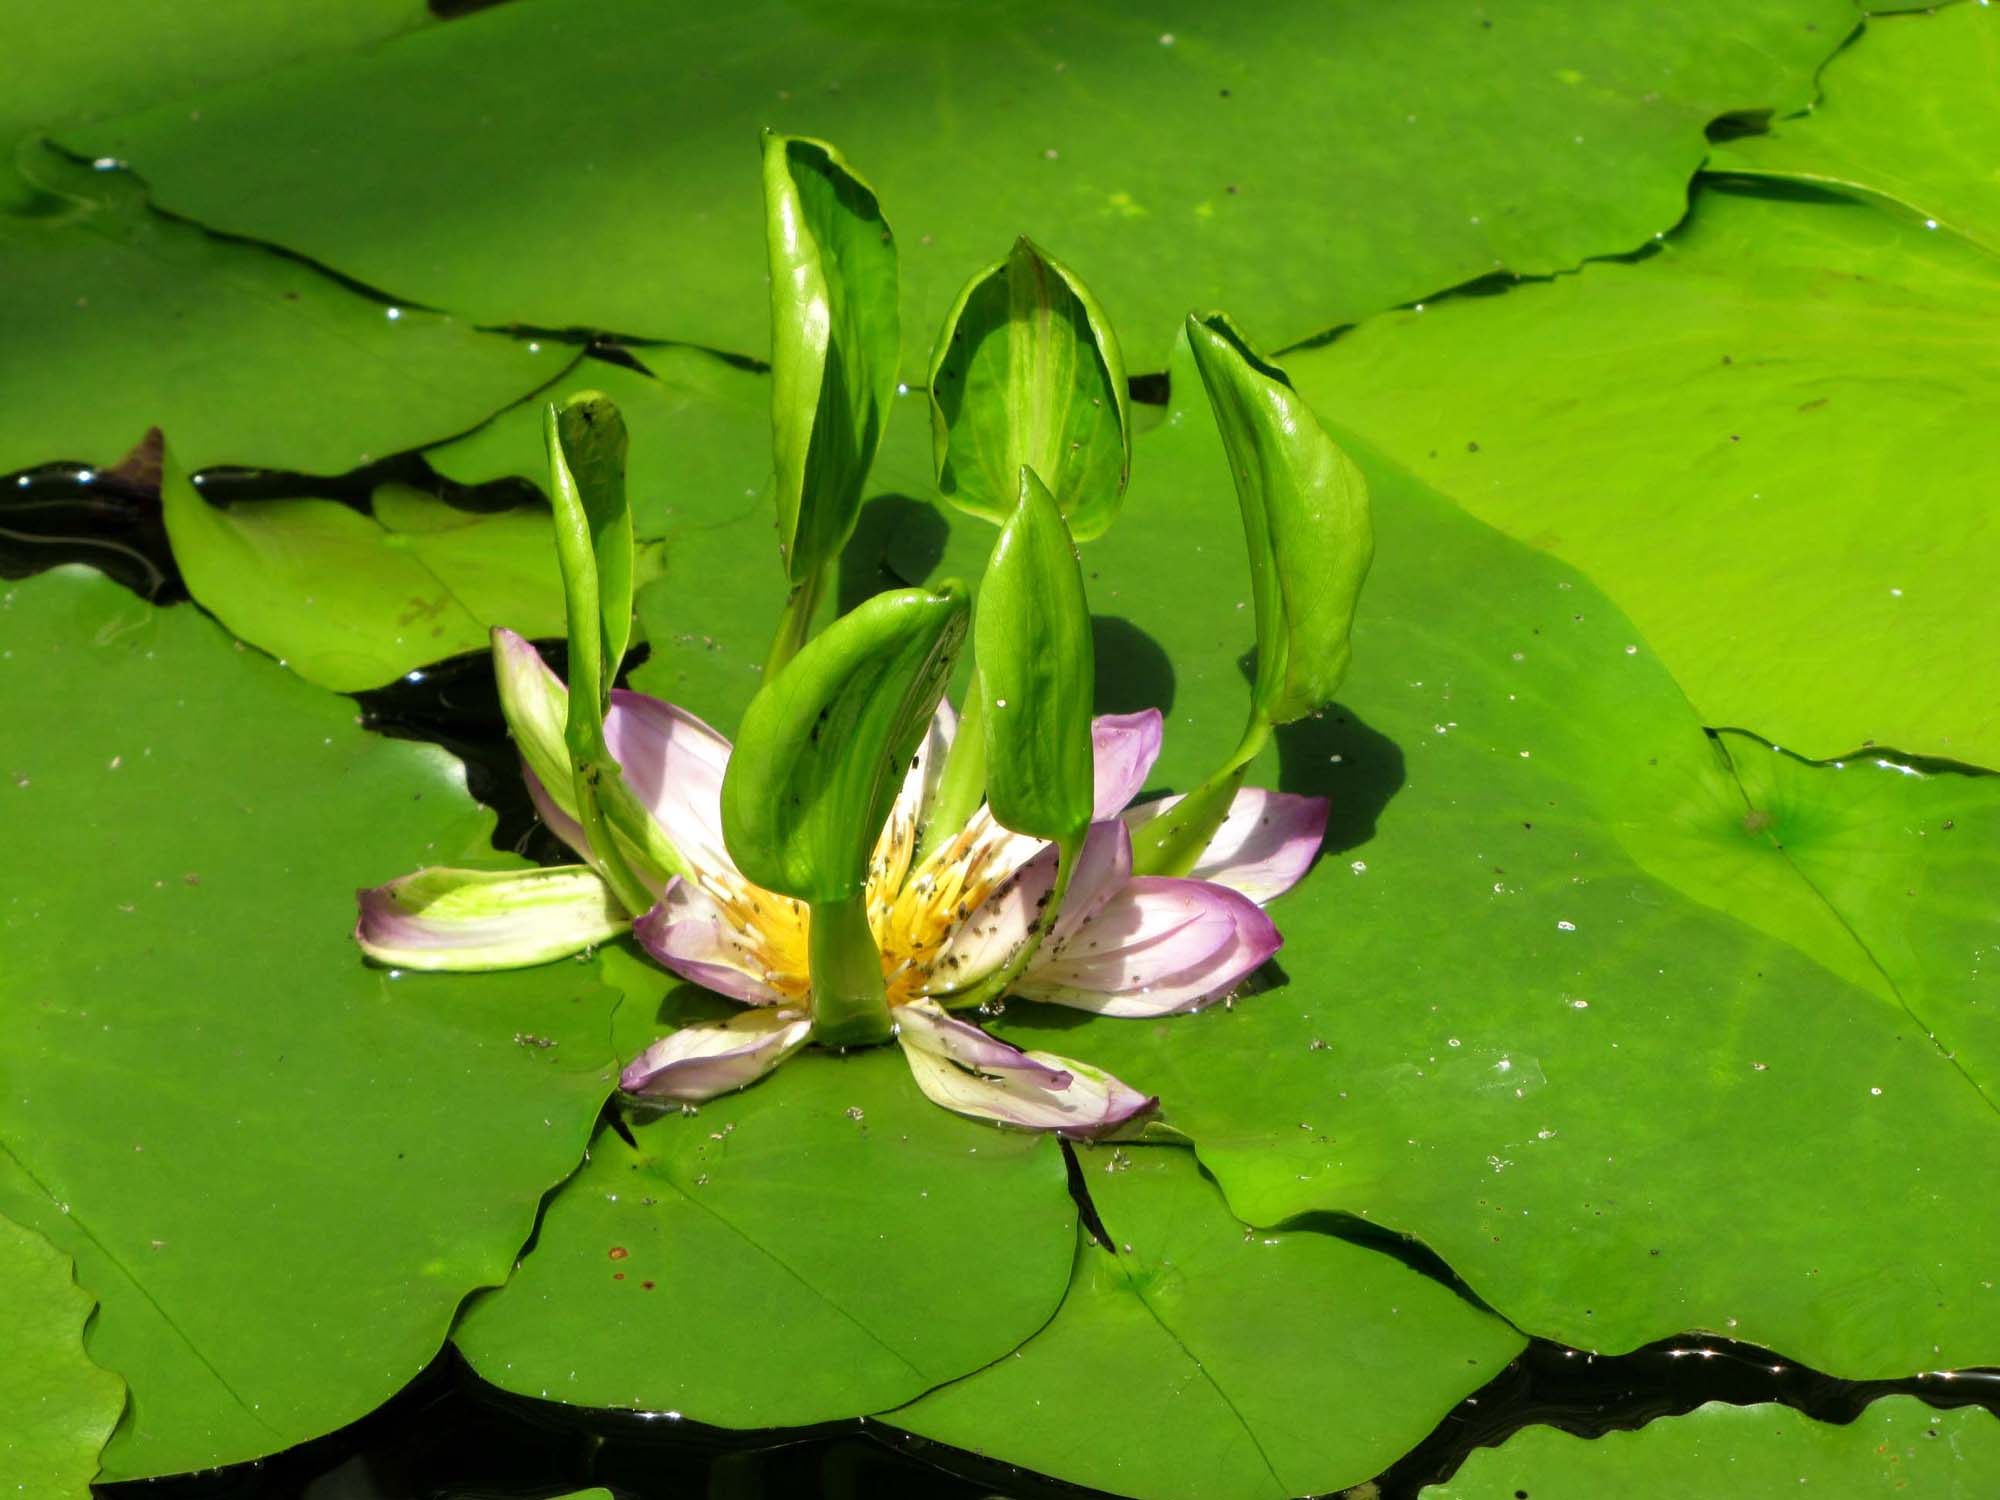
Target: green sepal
{"type": "Point", "coordinates": [824, 745]}
{"type": "Point", "coordinates": [1305, 518]}
{"type": "Point", "coordinates": [835, 338]}
{"type": "Point", "coordinates": [1031, 638]}
{"type": "Point", "coordinates": [1027, 372]}
{"type": "Point", "coordinates": [593, 530]}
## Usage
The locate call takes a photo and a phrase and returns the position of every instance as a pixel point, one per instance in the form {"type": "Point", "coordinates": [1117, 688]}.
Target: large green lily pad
{"type": "Point", "coordinates": [1769, 443]}
{"type": "Point", "coordinates": [560, 163]}
{"type": "Point", "coordinates": [86, 60]}
{"type": "Point", "coordinates": [351, 600]}
{"type": "Point", "coordinates": [279, 1169]}
{"type": "Point", "coordinates": [125, 319]}
{"type": "Point", "coordinates": [1201, 1361]}
{"type": "Point", "coordinates": [823, 1244]}
{"type": "Point", "coordinates": [56, 1407]}
{"type": "Point", "coordinates": [1908, 113]}
{"type": "Point", "coordinates": [1898, 1446]}
{"type": "Point", "coordinates": [1523, 1014]}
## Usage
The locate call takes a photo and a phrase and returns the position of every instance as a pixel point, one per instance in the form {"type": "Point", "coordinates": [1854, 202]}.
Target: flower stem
{"type": "Point", "coordinates": [1172, 843]}
{"type": "Point", "coordinates": [795, 624]}
{"type": "Point", "coordinates": [849, 1005]}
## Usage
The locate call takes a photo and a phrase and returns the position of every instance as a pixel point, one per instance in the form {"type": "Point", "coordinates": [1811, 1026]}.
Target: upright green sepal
{"type": "Point", "coordinates": [823, 746]}
{"type": "Point", "coordinates": [835, 340]}
{"type": "Point", "coordinates": [1026, 372]}
{"type": "Point", "coordinates": [1031, 638]}
{"type": "Point", "coordinates": [1306, 523]}
{"type": "Point", "coordinates": [819, 758]}
{"type": "Point", "coordinates": [587, 444]}
{"type": "Point", "coordinates": [1305, 518]}
{"type": "Point", "coordinates": [593, 531]}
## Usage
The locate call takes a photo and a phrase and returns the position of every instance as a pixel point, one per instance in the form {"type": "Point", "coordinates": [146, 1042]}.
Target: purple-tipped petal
{"type": "Point", "coordinates": [688, 934]}
{"type": "Point", "coordinates": [990, 1080]}
{"type": "Point", "coordinates": [1125, 747]}
{"type": "Point", "coordinates": [712, 1057]}
{"type": "Point", "coordinates": [897, 842]}
{"type": "Point", "coordinates": [1160, 945]}
{"type": "Point", "coordinates": [536, 704]}
{"type": "Point", "coordinates": [486, 919]}
{"type": "Point", "coordinates": [989, 936]}
{"type": "Point", "coordinates": [674, 765]}
{"type": "Point", "coordinates": [926, 1026]}
{"type": "Point", "coordinates": [1265, 845]}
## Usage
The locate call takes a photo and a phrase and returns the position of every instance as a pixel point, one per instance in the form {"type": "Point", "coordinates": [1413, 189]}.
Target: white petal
{"type": "Point", "coordinates": [486, 919]}
{"type": "Point", "coordinates": [712, 1057]}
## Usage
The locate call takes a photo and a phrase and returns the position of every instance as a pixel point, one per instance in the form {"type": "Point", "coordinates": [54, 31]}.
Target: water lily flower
{"type": "Point", "coordinates": [944, 917]}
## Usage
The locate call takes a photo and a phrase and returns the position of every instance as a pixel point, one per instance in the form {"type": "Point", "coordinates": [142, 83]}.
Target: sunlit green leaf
{"type": "Point", "coordinates": [834, 343]}
{"type": "Point", "coordinates": [1305, 519]}
{"type": "Point", "coordinates": [1768, 442]}
{"type": "Point", "coordinates": [1905, 114]}
{"type": "Point", "coordinates": [1197, 1361]}
{"type": "Point", "coordinates": [295, 370]}
{"type": "Point", "coordinates": [1309, 163]}
{"type": "Point", "coordinates": [1027, 373]}
{"type": "Point", "coordinates": [1899, 1446]}
{"type": "Point", "coordinates": [56, 1407]}
{"type": "Point", "coordinates": [1516, 1023]}
{"type": "Point", "coordinates": [1031, 638]}
{"type": "Point", "coordinates": [824, 1244]}
{"type": "Point", "coordinates": [349, 600]}
{"type": "Point", "coordinates": [824, 746]}
{"type": "Point", "coordinates": [279, 1168]}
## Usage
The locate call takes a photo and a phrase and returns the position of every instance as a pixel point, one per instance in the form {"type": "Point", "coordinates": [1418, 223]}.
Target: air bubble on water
{"type": "Point", "coordinates": [1359, 867]}
{"type": "Point", "coordinates": [1565, 927]}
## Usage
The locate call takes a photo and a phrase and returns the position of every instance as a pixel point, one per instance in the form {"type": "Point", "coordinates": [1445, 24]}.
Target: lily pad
{"type": "Point", "coordinates": [824, 1244]}
{"type": "Point", "coordinates": [241, 355]}
{"type": "Point", "coordinates": [1898, 1446]}
{"type": "Point", "coordinates": [611, 179]}
{"type": "Point", "coordinates": [56, 1407]}
{"type": "Point", "coordinates": [1906, 114]}
{"type": "Point", "coordinates": [81, 61]}
{"type": "Point", "coordinates": [1201, 1360]}
{"type": "Point", "coordinates": [353, 601]}
{"type": "Point", "coordinates": [280, 1170]}
{"type": "Point", "coordinates": [1509, 1019]}
{"type": "Point", "coordinates": [1769, 442]}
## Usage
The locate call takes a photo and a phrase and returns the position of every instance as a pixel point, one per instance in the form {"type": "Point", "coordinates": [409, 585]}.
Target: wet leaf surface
{"type": "Point", "coordinates": [278, 1169]}
{"type": "Point", "coordinates": [1199, 1359]}
{"type": "Point", "coordinates": [56, 1407]}
{"type": "Point", "coordinates": [1898, 1446]}
{"type": "Point", "coordinates": [1762, 442]}
{"type": "Point", "coordinates": [1316, 162]}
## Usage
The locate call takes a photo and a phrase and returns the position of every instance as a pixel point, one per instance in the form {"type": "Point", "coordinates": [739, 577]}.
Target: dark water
{"type": "Point", "coordinates": [448, 1434]}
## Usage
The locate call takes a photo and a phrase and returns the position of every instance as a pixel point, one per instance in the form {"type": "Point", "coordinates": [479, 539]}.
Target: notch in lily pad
{"type": "Point", "coordinates": [819, 757]}
{"type": "Point", "coordinates": [1307, 526]}
{"type": "Point", "coordinates": [1027, 373]}
{"type": "Point", "coordinates": [836, 336]}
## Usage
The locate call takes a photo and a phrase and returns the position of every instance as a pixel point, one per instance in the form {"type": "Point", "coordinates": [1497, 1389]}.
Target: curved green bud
{"type": "Point", "coordinates": [824, 745]}
{"type": "Point", "coordinates": [1026, 372]}
{"type": "Point", "coordinates": [1305, 517]}
{"type": "Point", "coordinates": [835, 340]}
{"type": "Point", "coordinates": [1031, 638]}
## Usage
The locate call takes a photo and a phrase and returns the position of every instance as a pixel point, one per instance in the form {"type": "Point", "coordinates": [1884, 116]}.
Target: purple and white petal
{"type": "Point", "coordinates": [898, 839]}
{"type": "Point", "coordinates": [688, 933]}
{"type": "Point", "coordinates": [536, 705]}
{"type": "Point", "coordinates": [1124, 747]}
{"type": "Point", "coordinates": [1007, 868]}
{"type": "Point", "coordinates": [674, 765]}
{"type": "Point", "coordinates": [927, 1027]}
{"type": "Point", "coordinates": [486, 919]}
{"type": "Point", "coordinates": [1103, 867]}
{"type": "Point", "coordinates": [1265, 845]}
{"type": "Point", "coordinates": [1160, 945]}
{"type": "Point", "coordinates": [712, 1057]}
{"type": "Point", "coordinates": [1018, 1088]}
